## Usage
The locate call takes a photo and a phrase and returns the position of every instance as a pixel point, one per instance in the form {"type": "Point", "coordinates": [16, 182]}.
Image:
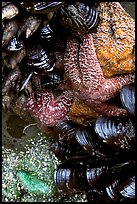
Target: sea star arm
{"type": "Point", "coordinates": [49, 111]}
{"type": "Point", "coordinates": [110, 87]}
{"type": "Point", "coordinates": [108, 109]}
{"type": "Point", "coordinates": [91, 71]}
{"type": "Point", "coordinates": [71, 61]}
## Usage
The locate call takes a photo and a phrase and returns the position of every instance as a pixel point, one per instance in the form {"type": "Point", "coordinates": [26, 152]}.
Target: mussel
{"type": "Point", "coordinates": [9, 10]}
{"type": "Point", "coordinates": [88, 142]}
{"type": "Point", "coordinates": [40, 60]}
{"type": "Point", "coordinates": [15, 44]}
{"type": "Point", "coordinates": [117, 133]}
{"type": "Point", "coordinates": [69, 179]}
{"type": "Point", "coordinates": [98, 176]}
{"type": "Point", "coordinates": [78, 18]}
{"type": "Point", "coordinates": [47, 33]}
{"type": "Point", "coordinates": [111, 183]}
{"type": "Point", "coordinates": [70, 18]}
{"type": "Point", "coordinates": [41, 7]}
{"type": "Point", "coordinates": [61, 151]}
{"type": "Point", "coordinates": [10, 30]}
{"type": "Point", "coordinates": [64, 132]}
{"type": "Point", "coordinates": [122, 189]}
{"type": "Point", "coordinates": [127, 96]}
{"type": "Point", "coordinates": [90, 14]}
{"type": "Point", "coordinates": [52, 78]}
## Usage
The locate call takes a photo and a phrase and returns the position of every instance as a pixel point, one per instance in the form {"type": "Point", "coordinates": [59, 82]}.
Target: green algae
{"type": "Point", "coordinates": [32, 184]}
{"type": "Point", "coordinates": [32, 172]}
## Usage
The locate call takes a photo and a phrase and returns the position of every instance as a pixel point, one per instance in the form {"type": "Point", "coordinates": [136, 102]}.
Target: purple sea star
{"type": "Point", "coordinates": [46, 110]}
{"type": "Point", "coordinates": [87, 80]}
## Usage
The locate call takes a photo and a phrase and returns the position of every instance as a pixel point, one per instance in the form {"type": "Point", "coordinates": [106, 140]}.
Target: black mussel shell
{"type": "Point", "coordinates": [97, 176]}
{"type": "Point", "coordinates": [83, 137]}
{"type": "Point", "coordinates": [15, 44]}
{"type": "Point", "coordinates": [65, 132]}
{"type": "Point", "coordinates": [115, 132]}
{"type": "Point", "coordinates": [61, 151]}
{"type": "Point", "coordinates": [52, 78]}
{"type": "Point", "coordinates": [40, 60]}
{"type": "Point", "coordinates": [120, 184]}
{"type": "Point", "coordinates": [90, 13]}
{"type": "Point", "coordinates": [70, 179]}
{"type": "Point", "coordinates": [47, 33]}
{"type": "Point", "coordinates": [88, 142]}
{"type": "Point", "coordinates": [119, 190]}
{"type": "Point", "coordinates": [62, 179]}
{"type": "Point", "coordinates": [70, 18]}
{"type": "Point", "coordinates": [127, 96]}
{"type": "Point", "coordinates": [71, 153]}
{"type": "Point", "coordinates": [41, 7]}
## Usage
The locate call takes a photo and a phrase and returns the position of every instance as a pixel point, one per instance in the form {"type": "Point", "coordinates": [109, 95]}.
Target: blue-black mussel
{"type": "Point", "coordinates": [127, 96]}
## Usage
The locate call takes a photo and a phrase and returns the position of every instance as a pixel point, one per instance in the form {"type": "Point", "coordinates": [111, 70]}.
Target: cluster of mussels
{"type": "Point", "coordinates": [33, 45]}
{"type": "Point", "coordinates": [98, 158]}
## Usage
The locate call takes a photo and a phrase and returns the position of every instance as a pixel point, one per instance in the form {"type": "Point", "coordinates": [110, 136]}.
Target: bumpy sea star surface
{"type": "Point", "coordinates": [87, 80]}
{"type": "Point", "coordinates": [115, 39]}
{"type": "Point", "coordinates": [49, 111]}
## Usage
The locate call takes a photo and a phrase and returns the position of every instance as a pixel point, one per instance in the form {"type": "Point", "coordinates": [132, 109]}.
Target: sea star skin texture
{"type": "Point", "coordinates": [48, 111]}
{"type": "Point", "coordinates": [115, 39]}
{"type": "Point", "coordinates": [87, 80]}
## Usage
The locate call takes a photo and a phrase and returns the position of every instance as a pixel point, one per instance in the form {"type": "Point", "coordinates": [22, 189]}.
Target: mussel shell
{"type": "Point", "coordinates": [40, 60]}
{"type": "Point", "coordinates": [88, 142]}
{"type": "Point", "coordinates": [122, 189]}
{"type": "Point", "coordinates": [61, 151]}
{"type": "Point", "coordinates": [70, 179]}
{"type": "Point", "coordinates": [47, 33]}
{"type": "Point", "coordinates": [71, 153]}
{"type": "Point", "coordinates": [90, 14]}
{"type": "Point", "coordinates": [116, 132]}
{"type": "Point", "coordinates": [83, 137]}
{"type": "Point", "coordinates": [129, 190]}
{"type": "Point", "coordinates": [97, 176]}
{"type": "Point", "coordinates": [127, 96]}
{"type": "Point", "coordinates": [65, 132]}
{"type": "Point", "coordinates": [41, 7]}
{"type": "Point", "coordinates": [60, 177]}
{"type": "Point", "coordinates": [52, 78]}
{"type": "Point", "coordinates": [70, 18]}
{"type": "Point", "coordinates": [15, 44]}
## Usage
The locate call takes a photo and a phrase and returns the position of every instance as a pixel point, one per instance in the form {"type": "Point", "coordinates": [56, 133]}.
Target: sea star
{"type": "Point", "coordinates": [46, 110]}
{"type": "Point", "coordinates": [87, 80]}
{"type": "Point", "coordinates": [114, 39]}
